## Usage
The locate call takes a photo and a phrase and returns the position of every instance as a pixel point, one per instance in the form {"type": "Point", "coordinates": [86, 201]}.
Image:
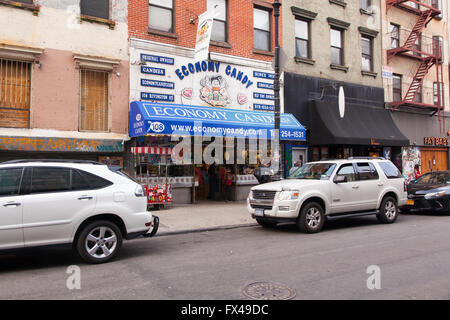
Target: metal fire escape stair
{"type": "Point", "coordinates": [408, 50]}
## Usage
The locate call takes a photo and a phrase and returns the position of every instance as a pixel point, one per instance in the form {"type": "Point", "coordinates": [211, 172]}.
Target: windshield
{"type": "Point", "coordinates": [314, 171]}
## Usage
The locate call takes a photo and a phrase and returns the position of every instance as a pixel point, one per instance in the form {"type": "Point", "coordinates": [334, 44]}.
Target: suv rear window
{"type": "Point", "coordinates": [390, 170]}
{"type": "Point", "coordinates": [95, 182]}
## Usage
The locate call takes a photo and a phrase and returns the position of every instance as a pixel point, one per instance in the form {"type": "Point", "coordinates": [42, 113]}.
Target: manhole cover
{"type": "Point", "coordinates": [269, 291]}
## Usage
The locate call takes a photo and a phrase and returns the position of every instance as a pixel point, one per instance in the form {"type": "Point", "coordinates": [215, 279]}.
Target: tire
{"type": "Point", "coordinates": [266, 224]}
{"type": "Point", "coordinates": [311, 219]}
{"type": "Point", "coordinates": [388, 210]}
{"type": "Point", "coordinates": [104, 235]}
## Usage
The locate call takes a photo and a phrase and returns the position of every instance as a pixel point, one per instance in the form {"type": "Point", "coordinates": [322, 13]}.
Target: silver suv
{"type": "Point", "coordinates": [328, 190]}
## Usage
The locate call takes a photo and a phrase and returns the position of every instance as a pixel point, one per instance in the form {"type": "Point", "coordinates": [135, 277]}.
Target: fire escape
{"type": "Point", "coordinates": [425, 12]}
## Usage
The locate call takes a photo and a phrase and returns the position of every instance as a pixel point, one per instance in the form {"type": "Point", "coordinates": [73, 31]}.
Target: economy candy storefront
{"type": "Point", "coordinates": [192, 153]}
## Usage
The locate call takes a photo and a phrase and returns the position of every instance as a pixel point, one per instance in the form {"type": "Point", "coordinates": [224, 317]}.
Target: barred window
{"type": "Point", "coordinates": [15, 83]}
{"type": "Point", "coordinates": [94, 100]}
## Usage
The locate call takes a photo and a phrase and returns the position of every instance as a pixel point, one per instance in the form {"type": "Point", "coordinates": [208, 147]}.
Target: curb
{"type": "Point", "coordinates": [218, 228]}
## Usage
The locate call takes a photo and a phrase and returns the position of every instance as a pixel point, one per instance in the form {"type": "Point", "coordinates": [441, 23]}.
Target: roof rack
{"type": "Point", "coordinates": [366, 158]}
{"type": "Point", "coordinates": [52, 160]}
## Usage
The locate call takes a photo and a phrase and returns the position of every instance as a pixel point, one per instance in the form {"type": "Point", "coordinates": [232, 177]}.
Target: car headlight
{"type": "Point", "coordinates": [434, 195]}
{"type": "Point", "coordinates": [288, 195]}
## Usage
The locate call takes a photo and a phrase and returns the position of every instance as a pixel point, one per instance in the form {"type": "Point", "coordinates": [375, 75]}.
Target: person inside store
{"type": "Point", "coordinates": [264, 173]}
{"type": "Point", "coordinates": [212, 181]}
{"type": "Point", "coordinates": [227, 183]}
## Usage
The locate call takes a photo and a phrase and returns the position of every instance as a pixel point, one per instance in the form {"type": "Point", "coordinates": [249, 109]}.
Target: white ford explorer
{"type": "Point", "coordinates": [57, 202]}
{"type": "Point", "coordinates": [327, 190]}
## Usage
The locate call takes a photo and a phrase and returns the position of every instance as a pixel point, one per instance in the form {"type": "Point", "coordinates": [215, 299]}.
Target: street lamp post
{"type": "Point", "coordinates": [276, 6]}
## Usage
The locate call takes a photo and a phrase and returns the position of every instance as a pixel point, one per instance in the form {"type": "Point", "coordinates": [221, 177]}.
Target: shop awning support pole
{"type": "Point", "coordinates": [276, 6]}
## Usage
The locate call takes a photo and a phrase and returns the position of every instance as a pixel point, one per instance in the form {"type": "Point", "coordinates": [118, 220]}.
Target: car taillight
{"type": "Point", "coordinates": [139, 192]}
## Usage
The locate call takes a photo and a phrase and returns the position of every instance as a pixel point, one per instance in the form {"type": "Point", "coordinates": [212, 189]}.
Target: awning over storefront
{"type": "Point", "coordinates": [170, 119]}
{"type": "Point", "coordinates": [361, 125]}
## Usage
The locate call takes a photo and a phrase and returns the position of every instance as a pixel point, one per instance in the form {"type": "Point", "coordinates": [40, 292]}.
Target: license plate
{"type": "Point", "coordinates": [259, 212]}
{"type": "Point", "coordinates": [410, 202]}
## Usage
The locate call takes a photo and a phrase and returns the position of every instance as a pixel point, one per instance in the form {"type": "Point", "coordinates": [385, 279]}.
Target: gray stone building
{"type": "Point", "coordinates": [333, 53]}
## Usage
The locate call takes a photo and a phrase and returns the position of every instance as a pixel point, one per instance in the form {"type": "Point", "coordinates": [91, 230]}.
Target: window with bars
{"type": "Point", "coordinates": [94, 100]}
{"type": "Point", "coordinates": [15, 84]}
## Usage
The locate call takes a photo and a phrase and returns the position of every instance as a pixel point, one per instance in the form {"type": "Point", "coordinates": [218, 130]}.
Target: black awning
{"type": "Point", "coordinates": [361, 125]}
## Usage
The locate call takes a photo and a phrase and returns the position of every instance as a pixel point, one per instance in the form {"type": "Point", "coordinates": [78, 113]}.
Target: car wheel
{"type": "Point", "coordinates": [311, 219]}
{"type": "Point", "coordinates": [99, 242]}
{"type": "Point", "coordinates": [388, 210]}
{"type": "Point", "coordinates": [266, 224]}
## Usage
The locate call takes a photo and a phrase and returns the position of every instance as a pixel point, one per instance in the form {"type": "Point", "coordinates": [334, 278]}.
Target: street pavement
{"type": "Point", "coordinates": [413, 256]}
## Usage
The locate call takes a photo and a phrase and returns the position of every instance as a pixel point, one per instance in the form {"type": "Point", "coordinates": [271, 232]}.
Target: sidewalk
{"type": "Point", "coordinates": [202, 216]}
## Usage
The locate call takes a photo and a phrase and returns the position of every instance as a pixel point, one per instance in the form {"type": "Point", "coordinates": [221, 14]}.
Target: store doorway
{"type": "Point", "coordinates": [434, 159]}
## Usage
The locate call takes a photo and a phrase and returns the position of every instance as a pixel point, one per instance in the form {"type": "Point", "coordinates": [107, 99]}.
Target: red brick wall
{"type": "Point", "coordinates": [240, 25]}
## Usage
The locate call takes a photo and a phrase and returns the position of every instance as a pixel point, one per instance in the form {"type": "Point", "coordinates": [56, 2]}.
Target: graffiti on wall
{"type": "Point", "coordinates": [411, 158]}
{"type": "Point", "coordinates": [59, 144]}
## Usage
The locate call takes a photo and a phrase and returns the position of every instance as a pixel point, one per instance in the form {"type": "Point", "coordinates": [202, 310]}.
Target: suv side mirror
{"type": "Point", "coordinates": [340, 179]}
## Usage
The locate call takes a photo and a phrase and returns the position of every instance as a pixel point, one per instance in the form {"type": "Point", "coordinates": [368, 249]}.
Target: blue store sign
{"type": "Point", "coordinates": [169, 119]}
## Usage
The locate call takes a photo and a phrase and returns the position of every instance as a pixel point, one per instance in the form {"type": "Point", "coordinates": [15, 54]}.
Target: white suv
{"type": "Point", "coordinates": [327, 190]}
{"type": "Point", "coordinates": [45, 202]}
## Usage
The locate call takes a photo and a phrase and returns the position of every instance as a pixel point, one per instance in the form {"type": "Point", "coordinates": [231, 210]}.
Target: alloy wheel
{"type": "Point", "coordinates": [101, 242]}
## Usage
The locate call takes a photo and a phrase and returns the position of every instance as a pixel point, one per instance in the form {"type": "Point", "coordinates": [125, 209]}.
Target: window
{"type": "Point", "coordinates": [50, 180]}
{"type": "Point", "coordinates": [418, 46]}
{"type": "Point", "coordinates": [337, 56]}
{"type": "Point", "coordinates": [366, 51]}
{"type": "Point", "coordinates": [413, 4]}
{"type": "Point", "coordinates": [390, 170]}
{"type": "Point", "coordinates": [395, 35]}
{"type": "Point", "coordinates": [365, 5]}
{"type": "Point", "coordinates": [94, 100]}
{"type": "Point", "coordinates": [367, 171]}
{"type": "Point", "coordinates": [94, 181]}
{"type": "Point", "coordinates": [15, 86]}
{"type": "Point", "coordinates": [438, 93]}
{"type": "Point", "coordinates": [418, 97]}
{"type": "Point", "coordinates": [348, 171]}
{"type": "Point", "coordinates": [97, 8]}
{"type": "Point", "coordinates": [25, 1]}
{"type": "Point", "coordinates": [438, 46]}
{"type": "Point", "coordinates": [262, 29]}
{"type": "Point", "coordinates": [437, 4]}
{"type": "Point", "coordinates": [10, 181]}
{"type": "Point", "coordinates": [397, 88]}
{"type": "Point", "coordinates": [302, 45]}
{"type": "Point", "coordinates": [78, 181]}
{"type": "Point", "coordinates": [220, 28]}
{"type": "Point", "coordinates": [161, 15]}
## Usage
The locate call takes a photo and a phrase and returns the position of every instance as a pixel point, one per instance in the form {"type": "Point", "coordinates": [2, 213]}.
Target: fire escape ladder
{"type": "Point", "coordinates": [421, 23]}
{"type": "Point", "coordinates": [416, 84]}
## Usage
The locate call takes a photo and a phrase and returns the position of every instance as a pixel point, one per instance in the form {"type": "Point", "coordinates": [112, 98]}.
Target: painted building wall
{"type": "Point", "coordinates": [408, 67]}
{"type": "Point", "coordinates": [55, 81]}
{"type": "Point", "coordinates": [319, 64]}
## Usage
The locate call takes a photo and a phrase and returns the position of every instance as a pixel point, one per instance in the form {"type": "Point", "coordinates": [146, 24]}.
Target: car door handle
{"type": "Point", "coordinates": [85, 198]}
{"type": "Point", "coordinates": [381, 184]}
{"type": "Point", "coordinates": [355, 187]}
{"type": "Point", "coordinates": [12, 204]}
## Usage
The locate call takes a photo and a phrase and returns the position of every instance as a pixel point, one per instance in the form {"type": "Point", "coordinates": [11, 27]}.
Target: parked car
{"type": "Point", "coordinates": [48, 202]}
{"type": "Point", "coordinates": [430, 192]}
{"type": "Point", "coordinates": [328, 190]}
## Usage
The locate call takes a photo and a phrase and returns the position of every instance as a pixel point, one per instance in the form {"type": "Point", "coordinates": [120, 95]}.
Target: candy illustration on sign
{"type": "Point", "coordinates": [214, 91]}
{"type": "Point", "coordinates": [242, 98]}
{"type": "Point", "coordinates": [187, 93]}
